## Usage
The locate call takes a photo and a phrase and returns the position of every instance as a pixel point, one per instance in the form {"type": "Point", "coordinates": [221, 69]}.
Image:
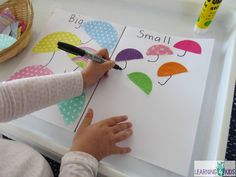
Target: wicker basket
{"type": "Point", "coordinates": [23, 10]}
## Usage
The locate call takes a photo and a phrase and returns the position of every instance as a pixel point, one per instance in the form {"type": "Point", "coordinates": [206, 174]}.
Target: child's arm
{"type": "Point", "coordinates": [94, 142]}
{"type": "Point", "coordinates": [23, 96]}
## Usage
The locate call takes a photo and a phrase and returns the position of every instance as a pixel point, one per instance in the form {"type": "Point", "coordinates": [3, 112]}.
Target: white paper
{"type": "Point", "coordinates": [62, 21]}
{"type": "Point", "coordinates": [165, 121]}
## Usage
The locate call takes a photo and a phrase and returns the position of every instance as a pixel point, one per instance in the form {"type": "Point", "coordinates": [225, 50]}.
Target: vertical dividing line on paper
{"type": "Point", "coordinates": [98, 82]}
{"type": "Point", "coordinates": [86, 106]}
{"type": "Point", "coordinates": [118, 41]}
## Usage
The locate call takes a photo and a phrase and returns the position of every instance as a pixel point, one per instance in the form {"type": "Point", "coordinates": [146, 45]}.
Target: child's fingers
{"type": "Point", "coordinates": [103, 53]}
{"type": "Point", "coordinates": [120, 150]}
{"type": "Point", "coordinates": [123, 135]}
{"type": "Point", "coordinates": [87, 119]}
{"type": "Point", "coordinates": [122, 126]}
{"type": "Point", "coordinates": [108, 65]}
{"type": "Point", "coordinates": [115, 120]}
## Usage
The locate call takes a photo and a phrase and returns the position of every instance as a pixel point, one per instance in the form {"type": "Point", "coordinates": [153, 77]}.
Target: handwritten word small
{"type": "Point", "coordinates": [147, 36]}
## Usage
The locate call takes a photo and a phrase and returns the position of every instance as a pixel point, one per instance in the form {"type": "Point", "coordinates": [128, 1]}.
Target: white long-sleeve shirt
{"type": "Point", "coordinates": [23, 96]}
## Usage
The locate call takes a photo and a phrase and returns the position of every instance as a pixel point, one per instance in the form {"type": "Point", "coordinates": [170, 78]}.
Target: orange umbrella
{"type": "Point", "coordinates": [170, 69]}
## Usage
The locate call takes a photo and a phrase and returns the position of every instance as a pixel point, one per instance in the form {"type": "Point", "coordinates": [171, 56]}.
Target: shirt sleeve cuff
{"type": "Point", "coordinates": [79, 83]}
{"type": "Point", "coordinates": [81, 158]}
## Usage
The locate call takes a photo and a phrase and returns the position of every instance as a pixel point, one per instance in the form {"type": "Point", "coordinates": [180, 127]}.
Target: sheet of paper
{"type": "Point", "coordinates": [161, 90]}
{"type": "Point", "coordinates": [45, 58]}
{"type": "Point", "coordinates": [161, 87]}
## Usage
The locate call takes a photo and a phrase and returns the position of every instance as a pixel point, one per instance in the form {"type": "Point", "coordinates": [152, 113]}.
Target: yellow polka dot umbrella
{"type": "Point", "coordinates": [49, 42]}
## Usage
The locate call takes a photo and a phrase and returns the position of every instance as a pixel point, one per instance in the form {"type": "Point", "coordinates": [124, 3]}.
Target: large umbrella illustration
{"type": "Point", "coordinates": [72, 108]}
{"type": "Point", "coordinates": [188, 46]}
{"type": "Point", "coordinates": [79, 60]}
{"type": "Point", "coordinates": [6, 41]}
{"type": "Point", "coordinates": [141, 80]}
{"type": "Point", "coordinates": [102, 32]}
{"type": "Point", "coordinates": [158, 50]}
{"type": "Point", "coordinates": [128, 54]}
{"type": "Point", "coordinates": [170, 69]}
{"type": "Point", "coordinates": [48, 44]}
{"type": "Point", "coordinates": [31, 71]}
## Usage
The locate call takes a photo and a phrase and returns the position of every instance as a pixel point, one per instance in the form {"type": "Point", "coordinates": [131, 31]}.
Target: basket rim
{"type": "Point", "coordinates": [26, 32]}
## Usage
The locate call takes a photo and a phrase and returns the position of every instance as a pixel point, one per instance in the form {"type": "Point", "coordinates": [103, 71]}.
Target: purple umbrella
{"type": "Point", "coordinates": [128, 54]}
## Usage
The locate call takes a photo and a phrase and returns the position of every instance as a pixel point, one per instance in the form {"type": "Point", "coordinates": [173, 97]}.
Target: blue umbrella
{"type": "Point", "coordinates": [103, 33]}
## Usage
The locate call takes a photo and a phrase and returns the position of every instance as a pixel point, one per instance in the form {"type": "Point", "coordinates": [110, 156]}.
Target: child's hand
{"type": "Point", "coordinates": [99, 139]}
{"type": "Point", "coordinates": [94, 71]}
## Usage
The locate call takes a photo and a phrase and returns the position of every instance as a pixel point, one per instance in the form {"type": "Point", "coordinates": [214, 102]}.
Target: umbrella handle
{"type": "Point", "coordinates": [50, 59]}
{"type": "Point", "coordinates": [76, 68]}
{"type": "Point", "coordinates": [154, 60]}
{"type": "Point", "coordinates": [125, 65]}
{"type": "Point", "coordinates": [165, 81]}
{"type": "Point", "coordinates": [86, 42]}
{"type": "Point", "coordinates": [183, 54]}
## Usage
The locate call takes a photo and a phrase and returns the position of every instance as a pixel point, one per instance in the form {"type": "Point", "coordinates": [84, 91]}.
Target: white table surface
{"type": "Point", "coordinates": [49, 144]}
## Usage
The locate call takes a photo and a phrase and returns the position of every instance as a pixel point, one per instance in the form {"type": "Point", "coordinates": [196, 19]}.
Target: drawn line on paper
{"type": "Point", "coordinates": [118, 41]}
{"type": "Point", "coordinates": [86, 106]}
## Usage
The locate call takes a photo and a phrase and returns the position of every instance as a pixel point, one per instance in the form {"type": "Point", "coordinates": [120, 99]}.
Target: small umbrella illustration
{"type": "Point", "coordinates": [188, 46]}
{"type": "Point", "coordinates": [158, 50]}
{"type": "Point", "coordinates": [170, 69]}
{"type": "Point", "coordinates": [141, 80]}
{"type": "Point", "coordinates": [6, 41]}
{"type": "Point", "coordinates": [128, 54]}
{"type": "Point", "coordinates": [81, 61]}
{"type": "Point", "coordinates": [102, 32]}
{"type": "Point", "coordinates": [72, 108]}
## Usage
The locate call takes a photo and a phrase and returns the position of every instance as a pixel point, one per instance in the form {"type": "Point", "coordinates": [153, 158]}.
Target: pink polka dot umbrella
{"type": "Point", "coordinates": [31, 71]}
{"type": "Point", "coordinates": [158, 50]}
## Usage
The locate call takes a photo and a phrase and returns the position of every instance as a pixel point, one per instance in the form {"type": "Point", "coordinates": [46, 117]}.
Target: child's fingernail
{"type": "Point", "coordinates": [130, 131]}
{"type": "Point", "coordinates": [106, 75]}
{"type": "Point", "coordinates": [125, 116]}
{"type": "Point", "coordinates": [89, 110]}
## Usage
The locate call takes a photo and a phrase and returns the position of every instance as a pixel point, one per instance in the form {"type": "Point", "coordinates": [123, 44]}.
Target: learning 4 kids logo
{"type": "Point", "coordinates": [214, 168]}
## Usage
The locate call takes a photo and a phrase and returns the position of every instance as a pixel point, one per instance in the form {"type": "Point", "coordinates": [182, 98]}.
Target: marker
{"type": "Point", "coordinates": [207, 14]}
{"type": "Point", "coordinates": [78, 51]}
